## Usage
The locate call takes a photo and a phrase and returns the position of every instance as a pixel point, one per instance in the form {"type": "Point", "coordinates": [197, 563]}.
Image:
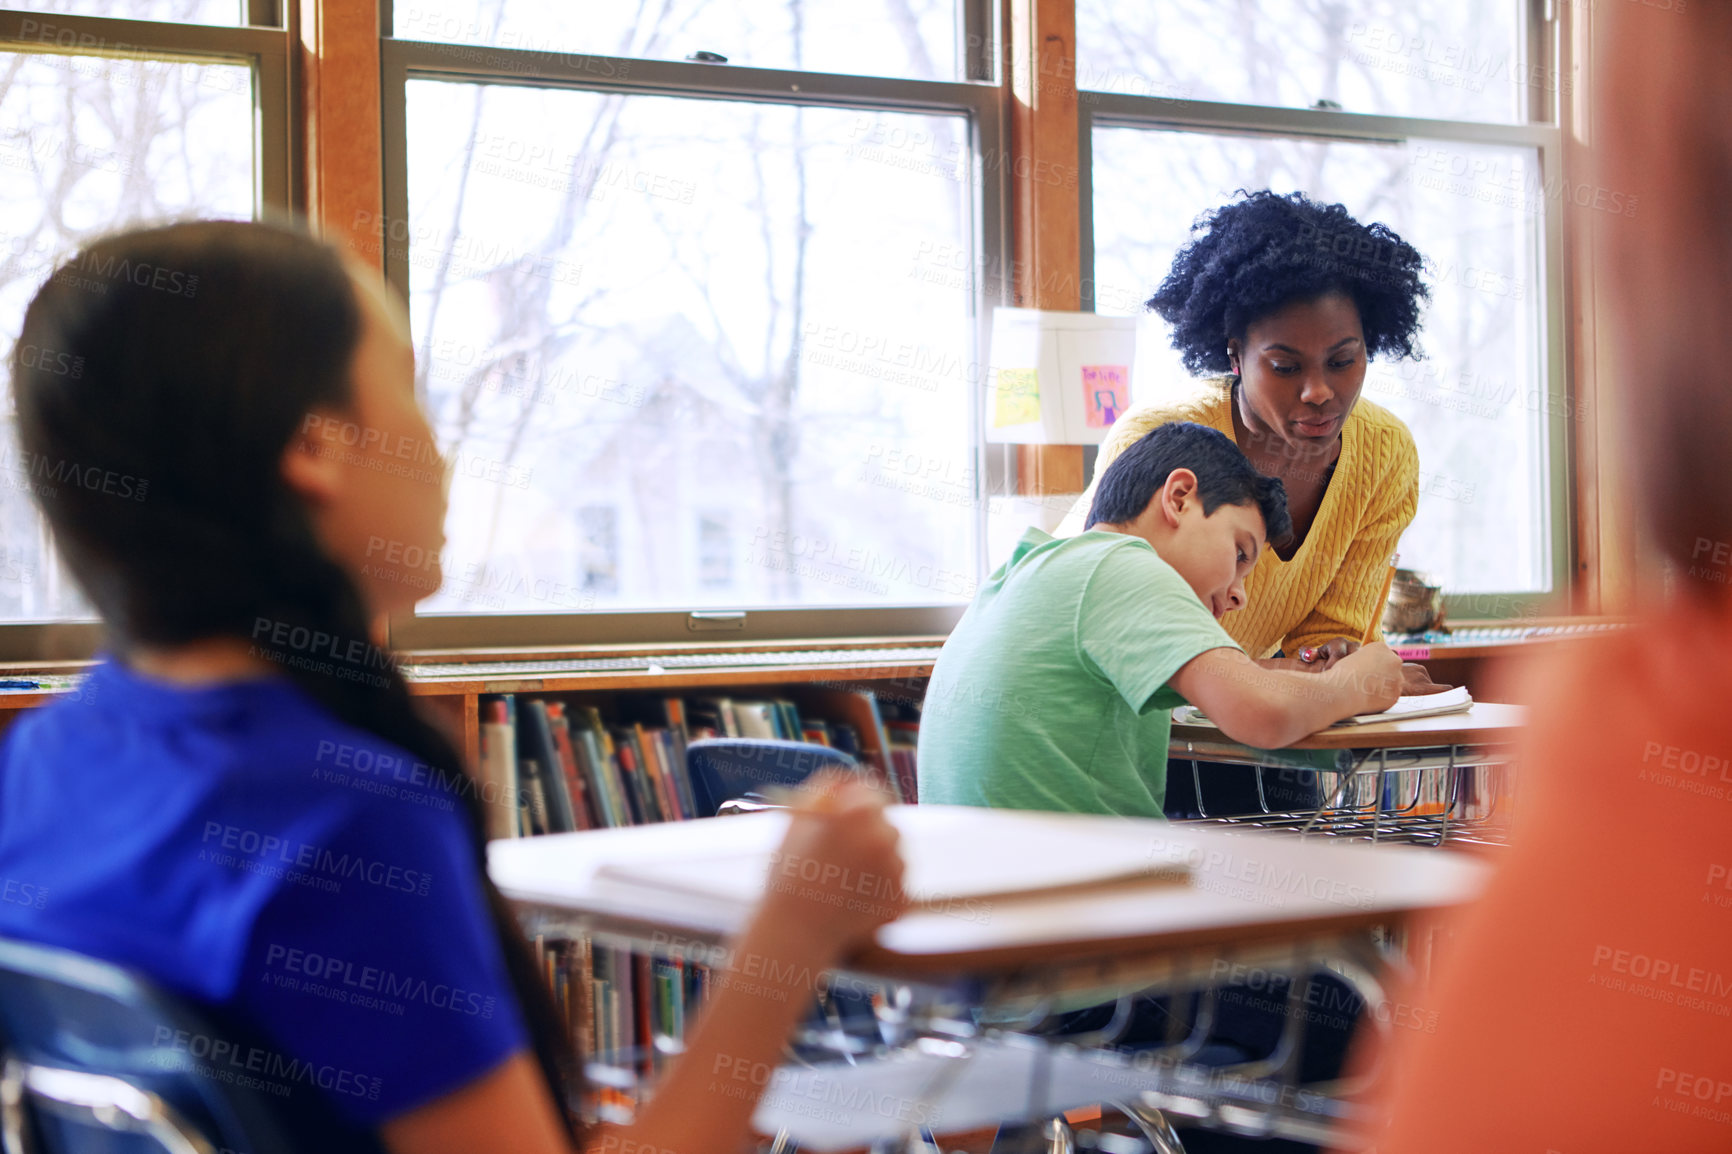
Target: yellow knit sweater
{"type": "Point", "coordinates": [1331, 586]}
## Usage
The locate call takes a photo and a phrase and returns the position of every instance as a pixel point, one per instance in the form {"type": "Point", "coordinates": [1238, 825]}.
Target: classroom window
{"type": "Point", "coordinates": [920, 39]}
{"type": "Point", "coordinates": [1452, 59]}
{"type": "Point", "coordinates": [683, 307]}
{"type": "Point", "coordinates": [1481, 195]}
{"type": "Point", "coordinates": [109, 136]}
{"type": "Point", "coordinates": [598, 550]}
{"type": "Point", "coordinates": [177, 11]}
{"type": "Point", "coordinates": [1477, 404]}
{"type": "Point", "coordinates": [715, 552]}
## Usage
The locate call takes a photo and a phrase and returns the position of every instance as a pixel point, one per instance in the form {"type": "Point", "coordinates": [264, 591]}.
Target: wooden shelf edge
{"type": "Point", "coordinates": [578, 652]}
{"type": "Point", "coordinates": [673, 680]}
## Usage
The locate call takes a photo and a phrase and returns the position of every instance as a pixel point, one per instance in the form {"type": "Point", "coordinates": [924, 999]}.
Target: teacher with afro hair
{"type": "Point", "coordinates": [1278, 303]}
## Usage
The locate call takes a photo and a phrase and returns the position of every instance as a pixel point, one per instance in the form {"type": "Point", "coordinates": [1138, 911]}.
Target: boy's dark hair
{"type": "Point", "coordinates": [1224, 477]}
{"type": "Point", "coordinates": [1252, 258]}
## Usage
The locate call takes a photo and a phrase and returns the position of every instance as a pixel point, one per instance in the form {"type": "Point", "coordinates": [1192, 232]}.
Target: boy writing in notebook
{"type": "Point", "coordinates": [1055, 690]}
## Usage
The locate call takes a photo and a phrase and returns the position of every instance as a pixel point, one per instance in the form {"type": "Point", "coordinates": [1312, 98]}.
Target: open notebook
{"type": "Point", "coordinates": [1456, 700]}
{"type": "Point", "coordinates": [952, 854]}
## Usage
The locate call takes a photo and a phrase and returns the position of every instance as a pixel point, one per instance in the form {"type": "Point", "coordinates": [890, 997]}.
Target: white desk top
{"type": "Point", "coordinates": [1482, 723]}
{"type": "Point", "coordinates": [1246, 888]}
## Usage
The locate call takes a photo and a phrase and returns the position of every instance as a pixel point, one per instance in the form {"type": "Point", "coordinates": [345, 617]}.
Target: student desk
{"type": "Point", "coordinates": [970, 983]}
{"type": "Point", "coordinates": [1429, 780]}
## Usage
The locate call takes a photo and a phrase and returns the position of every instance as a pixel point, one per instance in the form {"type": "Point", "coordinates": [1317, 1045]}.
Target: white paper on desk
{"type": "Point", "coordinates": [950, 853]}
{"type": "Point", "coordinates": [1456, 700]}
{"type": "Point", "coordinates": [946, 1086]}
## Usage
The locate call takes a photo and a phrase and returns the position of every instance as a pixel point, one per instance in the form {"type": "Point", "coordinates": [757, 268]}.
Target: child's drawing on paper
{"type": "Point", "coordinates": [1018, 398]}
{"type": "Point", "coordinates": [1107, 390]}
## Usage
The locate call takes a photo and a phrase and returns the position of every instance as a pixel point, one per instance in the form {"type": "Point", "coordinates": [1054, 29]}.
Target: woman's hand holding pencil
{"type": "Point", "coordinates": [1415, 679]}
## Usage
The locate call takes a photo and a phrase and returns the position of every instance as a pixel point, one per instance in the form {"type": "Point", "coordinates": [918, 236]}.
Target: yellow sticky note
{"type": "Point", "coordinates": [1017, 398]}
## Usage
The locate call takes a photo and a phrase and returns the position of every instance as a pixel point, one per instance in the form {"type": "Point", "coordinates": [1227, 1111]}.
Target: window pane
{"type": "Point", "coordinates": [1477, 405]}
{"type": "Point", "coordinates": [679, 353]}
{"type": "Point", "coordinates": [229, 12]}
{"type": "Point", "coordinates": [916, 39]}
{"type": "Point", "coordinates": [1448, 59]}
{"type": "Point", "coordinates": [89, 145]}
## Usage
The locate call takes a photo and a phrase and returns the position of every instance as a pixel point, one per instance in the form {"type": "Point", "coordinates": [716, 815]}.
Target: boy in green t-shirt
{"type": "Point", "coordinates": [1055, 690]}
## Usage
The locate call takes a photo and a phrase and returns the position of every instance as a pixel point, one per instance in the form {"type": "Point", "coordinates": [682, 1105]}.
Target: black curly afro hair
{"type": "Point", "coordinates": [1257, 255]}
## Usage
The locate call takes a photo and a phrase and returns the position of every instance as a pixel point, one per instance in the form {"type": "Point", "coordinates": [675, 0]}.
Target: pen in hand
{"type": "Point", "coordinates": [1312, 654]}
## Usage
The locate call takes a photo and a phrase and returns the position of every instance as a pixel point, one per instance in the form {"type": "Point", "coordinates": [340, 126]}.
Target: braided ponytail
{"type": "Point", "coordinates": [330, 604]}
{"type": "Point", "coordinates": [200, 349]}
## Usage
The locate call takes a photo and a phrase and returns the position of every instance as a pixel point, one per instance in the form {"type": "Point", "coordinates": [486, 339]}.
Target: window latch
{"type": "Point", "coordinates": [702, 622]}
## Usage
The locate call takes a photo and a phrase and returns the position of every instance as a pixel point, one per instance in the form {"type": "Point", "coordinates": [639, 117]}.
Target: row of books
{"type": "Point", "coordinates": [1468, 793]}
{"type": "Point", "coordinates": [624, 762]}
{"type": "Point", "coordinates": [554, 768]}
{"type": "Point", "coordinates": [902, 733]}
{"type": "Point", "coordinates": [626, 1013]}
{"type": "Point", "coordinates": [550, 766]}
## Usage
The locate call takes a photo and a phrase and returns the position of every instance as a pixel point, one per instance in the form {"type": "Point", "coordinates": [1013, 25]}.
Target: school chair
{"type": "Point", "coordinates": [99, 1061]}
{"type": "Point", "coordinates": [741, 770]}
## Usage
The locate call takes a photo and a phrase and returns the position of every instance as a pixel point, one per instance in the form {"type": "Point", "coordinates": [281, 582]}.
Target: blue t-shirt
{"type": "Point", "coordinates": [241, 846]}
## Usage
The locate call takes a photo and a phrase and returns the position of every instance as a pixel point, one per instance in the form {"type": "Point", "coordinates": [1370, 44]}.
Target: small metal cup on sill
{"type": "Point", "coordinates": [1415, 604]}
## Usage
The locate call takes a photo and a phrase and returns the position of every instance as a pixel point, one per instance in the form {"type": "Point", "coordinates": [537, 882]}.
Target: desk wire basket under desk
{"type": "Point", "coordinates": [1455, 795]}
{"type": "Point", "coordinates": [873, 1040]}
{"type": "Point", "coordinates": [1223, 1005]}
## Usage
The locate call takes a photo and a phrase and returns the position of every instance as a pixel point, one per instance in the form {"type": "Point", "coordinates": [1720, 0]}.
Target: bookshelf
{"type": "Point", "coordinates": [895, 666]}
{"type": "Point", "coordinates": [452, 683]}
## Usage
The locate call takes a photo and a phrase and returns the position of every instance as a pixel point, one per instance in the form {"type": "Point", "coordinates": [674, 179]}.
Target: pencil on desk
{"type": "Point", "coordinates": [1382, 600]}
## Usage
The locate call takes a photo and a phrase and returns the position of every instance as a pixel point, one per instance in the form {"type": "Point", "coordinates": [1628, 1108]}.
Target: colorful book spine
{"type": "Point", "coordinates": [643, 1016]}
{"type": "Point", "coordinates": [632, 772]}
{"type": "Point", "coordinates": [534, 813]}
{"type": "Point", "coordinates": [593, 760]}
{"type": "Point", "coordinates": [904, 743]}
{"type": "Point", "coordinates": [625, 808]}
{"type": "Point", "coordinates": [646, 745]}
{"type": "Point", "coordinates": [500, 796]}
{"type": "Point", "coordinates": [673, 748]}
{"type": "Point", "coordinates": [674, 713]}
{"type": "Point", "coordinates": [536, 748]}
{"type": "Point", "coordinates": [582, 807]}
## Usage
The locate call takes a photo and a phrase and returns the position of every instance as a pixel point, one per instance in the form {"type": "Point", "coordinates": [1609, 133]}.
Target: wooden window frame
{"type": "Point", "coordinates": [264, 44]}
{"type": "Point", "coordinates": [325, 145]}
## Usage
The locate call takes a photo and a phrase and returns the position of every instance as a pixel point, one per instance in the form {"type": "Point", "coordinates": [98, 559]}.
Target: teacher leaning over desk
{"type": "Point", "coordinates": [1284, 301]}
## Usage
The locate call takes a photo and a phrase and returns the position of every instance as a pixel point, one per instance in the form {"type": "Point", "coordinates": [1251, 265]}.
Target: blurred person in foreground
{"type": "Point", "coordinates": [1585, 1003]}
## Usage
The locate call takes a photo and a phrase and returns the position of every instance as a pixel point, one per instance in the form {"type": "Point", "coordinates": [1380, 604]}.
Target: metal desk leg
{"type": "Point", "coordinates": [1334, 801]}
{"type": "Point", "coordinates": [1377, 794]}
{"type": "Point", "coordinates": [1449, 801]}
{"type": "Point", "coordinates": [1154, 1126]}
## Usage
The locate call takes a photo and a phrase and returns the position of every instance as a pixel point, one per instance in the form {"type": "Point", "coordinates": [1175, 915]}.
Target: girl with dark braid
{"type": "Point", "coordinates": [242, 801]}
